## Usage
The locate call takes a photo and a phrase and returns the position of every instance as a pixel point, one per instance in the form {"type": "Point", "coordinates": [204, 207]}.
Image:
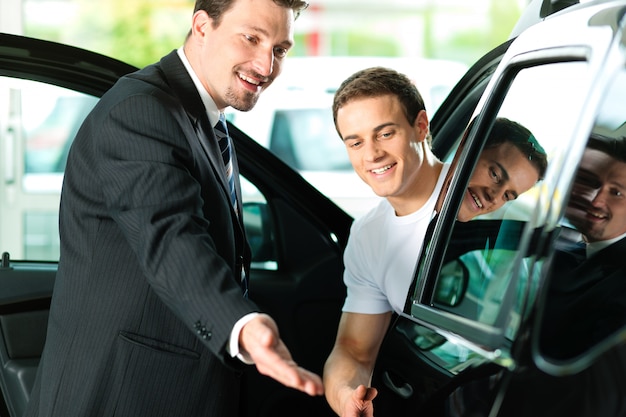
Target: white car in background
{"type": "Point", "coordinates": [293, 118]}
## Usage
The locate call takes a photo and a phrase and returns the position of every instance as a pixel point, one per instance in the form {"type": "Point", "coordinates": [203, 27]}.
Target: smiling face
{"type": "Point", "coordinates": [240, 58]}
{"type": "Point", "coordinates": [597, 206]}
{"type": "Point", "coordinates": [502, 173]}
{"type": "Point", "coordinates": [387, 152]}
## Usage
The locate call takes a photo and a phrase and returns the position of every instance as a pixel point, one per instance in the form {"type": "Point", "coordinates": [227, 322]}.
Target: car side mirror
{"type": "Point", "coordinates": [452, 283]}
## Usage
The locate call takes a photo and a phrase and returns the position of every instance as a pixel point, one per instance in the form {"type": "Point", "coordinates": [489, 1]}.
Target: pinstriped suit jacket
{"type": "Point", "coordinates": [147, 289]}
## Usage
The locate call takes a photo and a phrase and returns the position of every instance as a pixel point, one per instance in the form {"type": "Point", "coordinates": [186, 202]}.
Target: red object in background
{"type": "Point", "coordinates": [313, 44]}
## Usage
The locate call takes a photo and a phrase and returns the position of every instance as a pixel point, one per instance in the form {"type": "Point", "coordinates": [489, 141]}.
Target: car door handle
{"type": "Point", "coordinates": [403, 390]}
{"type": "Point", "coordinates": [9, 149]}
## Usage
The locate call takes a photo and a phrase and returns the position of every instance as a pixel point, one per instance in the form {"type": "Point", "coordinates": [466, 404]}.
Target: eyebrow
{"type": "Point", "coordinates": [286, 43]}
{"type": "Point", "coordinates": [376, 130]}
{"type": "Point", "coordinates": [617, 185]}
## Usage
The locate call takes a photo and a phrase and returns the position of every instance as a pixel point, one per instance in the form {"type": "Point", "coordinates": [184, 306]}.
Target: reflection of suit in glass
{"type": "Point", "coordinates": [586, 300]}
{"type": "Point", "coordinates": [585, 303]}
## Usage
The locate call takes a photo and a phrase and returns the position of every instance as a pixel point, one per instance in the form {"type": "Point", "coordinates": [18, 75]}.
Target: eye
{"type": "Point", "coordinates": [509, 196]}
{"type": "Point", "coordinates": [386, 134]}
{"type": "Point", "coordinates": [353, 144]}
{"type": "Point", "coordinates": [494, 175]}
{"type": "Point", "coordinates": [251, 39]}
{"type": "Point", "coordinates": [280, 52]}
{"type": "Point", "coordinates": [616, 192]}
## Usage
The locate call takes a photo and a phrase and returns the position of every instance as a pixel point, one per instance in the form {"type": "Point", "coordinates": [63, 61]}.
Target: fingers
{"type": "Point", "coordinates": [370, 394]}
{"type": "Point", "coordinates": [361, 404]}
{"type": "Point", "coordinates": [260, 339]}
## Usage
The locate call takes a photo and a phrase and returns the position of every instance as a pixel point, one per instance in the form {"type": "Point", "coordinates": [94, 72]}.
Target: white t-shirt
{"type": "Point", "coordinates": [382, 253]}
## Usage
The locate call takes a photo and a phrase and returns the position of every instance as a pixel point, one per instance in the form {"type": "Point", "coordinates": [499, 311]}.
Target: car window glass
{"type": "Point", "coordinates": [584, 309]}
{"type": "Point", "coordinates": [259, 227]}
{"type": "Point", "coordinates": [37, 125]}
{"type": "Point", "coordinates": [318, 146]}
{"type": "Point", "coordinates": [488, 274]}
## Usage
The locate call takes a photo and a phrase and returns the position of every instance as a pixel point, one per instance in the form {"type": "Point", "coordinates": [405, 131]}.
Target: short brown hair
{"type": "Point", "coordinates": [216, 8]}
{"type": "Point", "coordinates": [376, 82]}
{"type": "Point", "coordinates": [508, 131]}
{"type": "Point", "coordinates": [614, 147]}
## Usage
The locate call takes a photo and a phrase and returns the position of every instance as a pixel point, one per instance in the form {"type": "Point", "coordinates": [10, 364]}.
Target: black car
{"type": "Point", "coordinates": [467, 343]}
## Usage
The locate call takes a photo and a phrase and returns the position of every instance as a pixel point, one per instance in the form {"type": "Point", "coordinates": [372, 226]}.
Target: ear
{"type": "Point", "coordinates": [421, 125]}
{"type": "Point", "coordinates": [200, 24]}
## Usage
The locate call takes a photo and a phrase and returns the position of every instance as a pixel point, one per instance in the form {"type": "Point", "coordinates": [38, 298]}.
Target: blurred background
{"type": "Point", "coordinates": [141, 31]}
{"type": "Point", "coordinates": [432, 41]}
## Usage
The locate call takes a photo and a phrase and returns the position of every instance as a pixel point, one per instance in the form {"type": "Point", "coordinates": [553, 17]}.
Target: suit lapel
{"type": "Point", "coordinates": [598, 266]}
{"type": "Point", "coordinates": [182, 85]}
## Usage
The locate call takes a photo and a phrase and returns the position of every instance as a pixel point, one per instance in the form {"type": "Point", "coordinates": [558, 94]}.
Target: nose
{"type": "Point", "coordinates": [495, 195]}
{"type": "Point", "coordinates": [264, 62]}
{"type": "Point", "coordinates": [372, 151]}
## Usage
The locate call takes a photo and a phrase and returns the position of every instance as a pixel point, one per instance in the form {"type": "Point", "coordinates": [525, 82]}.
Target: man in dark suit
{"type": "Point", "coordinates": [587, 298]}
{"type": "Point", "coordinates": [148, 316]}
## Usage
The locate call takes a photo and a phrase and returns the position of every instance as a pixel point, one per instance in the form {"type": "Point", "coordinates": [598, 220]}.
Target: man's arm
{"type": "Point", "coordinates": [348, 369]}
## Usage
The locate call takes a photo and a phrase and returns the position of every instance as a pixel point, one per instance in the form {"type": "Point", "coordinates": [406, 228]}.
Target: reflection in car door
{"type": "Point", "coordinates": [475, 355]}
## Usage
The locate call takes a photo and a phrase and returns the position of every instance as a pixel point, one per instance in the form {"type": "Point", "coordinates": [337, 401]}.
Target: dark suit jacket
{"type": "Point", "coordinates": [147, 289]}
{"type": "Point", "coordinates": [585, 304]}
{"type": "Point", "coordinates": [586, 301]}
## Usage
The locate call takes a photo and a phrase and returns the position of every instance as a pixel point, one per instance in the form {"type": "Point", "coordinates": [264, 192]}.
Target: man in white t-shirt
{"type": "Point", "coordinates": [381, 118]}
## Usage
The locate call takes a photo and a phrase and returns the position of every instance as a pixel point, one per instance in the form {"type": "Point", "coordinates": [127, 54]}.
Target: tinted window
{"type": "Point", "coordinates": [491, 266]}
{"type": "Point", "coordinates": [585, 303]}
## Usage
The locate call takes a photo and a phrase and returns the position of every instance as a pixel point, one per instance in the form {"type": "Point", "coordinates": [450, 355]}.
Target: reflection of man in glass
{"type": "Point", "coordinates": [587, 298]}
{"type": "Point", "coordinates": [511, 162]}
{"type": "Point", "coordinates": [597, 206]}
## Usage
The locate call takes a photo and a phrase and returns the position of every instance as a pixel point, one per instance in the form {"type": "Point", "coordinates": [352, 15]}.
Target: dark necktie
{"type": "Point", "coordinates": [580, 252]}
{"type": "Point", "coordinates": [221, 132]}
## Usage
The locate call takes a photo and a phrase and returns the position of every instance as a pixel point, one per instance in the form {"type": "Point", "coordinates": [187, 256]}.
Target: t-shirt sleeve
{"type": "Point", "coordinates": [364, 293]}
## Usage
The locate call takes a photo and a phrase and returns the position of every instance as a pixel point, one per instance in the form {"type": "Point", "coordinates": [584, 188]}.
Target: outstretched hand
{"type": "Point", "coordinates": [360, 404]}
{"type": "Point", "coordinates": [259, 339]}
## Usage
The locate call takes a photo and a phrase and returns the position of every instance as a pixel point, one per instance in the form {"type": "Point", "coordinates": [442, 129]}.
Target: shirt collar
{"type": "Point", "coordinates": [207, 100]}
{"type": "Point", "coordinates": [595, 247]}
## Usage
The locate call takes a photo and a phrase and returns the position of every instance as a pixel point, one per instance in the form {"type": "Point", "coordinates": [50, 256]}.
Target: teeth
{"type": "Point", "coordinates": [250, 80]}
{"type": "Point", "coordinates": [381, 170]}
{"type": "Point", "coordinates": [476, 200]}
{"type": "Point", "coordinates": [597, 215]}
